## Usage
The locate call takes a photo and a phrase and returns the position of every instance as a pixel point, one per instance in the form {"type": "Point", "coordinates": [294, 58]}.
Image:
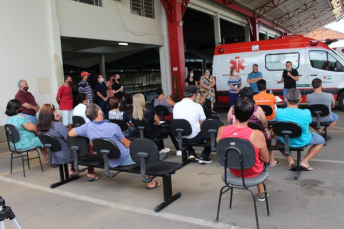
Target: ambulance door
{"type": "Point", "coordinates": [325, 66]}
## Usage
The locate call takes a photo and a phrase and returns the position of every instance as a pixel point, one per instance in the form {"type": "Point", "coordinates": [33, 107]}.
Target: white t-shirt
{"type": "Point", "coordinates": [79, 110]}
{"type": "Point", "coordinates": [192, 112]}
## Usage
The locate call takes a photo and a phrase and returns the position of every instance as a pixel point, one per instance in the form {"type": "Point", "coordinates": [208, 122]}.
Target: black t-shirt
{"type": "Point", "coordinates": [149, 116]}
{"type": "Point", "coordinates": [288, 81]}
{"type": "Point", "coordinates": [100, 88]}
{"type": "Point", "coordinates": [187, 80]}
{"type": "Point", "coordinates": [116, 86]}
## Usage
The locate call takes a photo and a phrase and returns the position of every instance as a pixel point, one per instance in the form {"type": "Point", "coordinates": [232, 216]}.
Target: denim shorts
{"type": "Point", "coordinates": [334, 117]}
{"type": "Point", "coordinates": [315, 140]}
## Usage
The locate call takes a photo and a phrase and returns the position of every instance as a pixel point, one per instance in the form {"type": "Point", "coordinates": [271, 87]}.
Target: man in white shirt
{"type": "Point", "coordinates": [192, 112]}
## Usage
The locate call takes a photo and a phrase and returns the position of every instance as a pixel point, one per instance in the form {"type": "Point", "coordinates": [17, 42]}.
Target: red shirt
{"type": "Point", "coordinates": [66, 98]}
{"type": "Point", "coordinates": [244, 133]}
{"type": "Point", "coordinates": [26, 97]}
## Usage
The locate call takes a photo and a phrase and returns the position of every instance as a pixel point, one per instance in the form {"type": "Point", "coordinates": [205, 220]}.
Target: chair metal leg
{"type": "Point", "coordinates": [63, 171]}
{"type": "Point", "coordinates": [266, 199]}
{"type": "Point", "coordinates": [231, 198]}
{"type": "Point", "coordinates": [298, 168]}
{"type": "Point", "coordinates": [325, 135]}
{"type": "Point", "coordinates": [185, 157]}
{"type": "Point", "coordinates": [11, 161]}
{"type": "Point", "coordinates": [219, 204]}
{"type": "Point", "coordinates": [23, 163]}
{"type": "Point", "coordinates": [40, 162]}
{"type": "Point", "coordinates": [168, 197]}
{"type": "Point", "coordinates": [255, 207]}
{"type": "Point", "coordinates": [28, 159]}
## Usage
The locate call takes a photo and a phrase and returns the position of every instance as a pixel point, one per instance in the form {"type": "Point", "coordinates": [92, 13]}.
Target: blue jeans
{"type": "Point", "coordinates": [104, 106]}
{"type": "Point", "coordinates": [31, 118]}
{"type": "Point", "coordinates": [232, 98]}
{"type": "Point", "coordinates": [285, 90]}
{"type": "Point", "coordinates": [199, 138]}
{"type": "Point", "coordinates": [129, 161]}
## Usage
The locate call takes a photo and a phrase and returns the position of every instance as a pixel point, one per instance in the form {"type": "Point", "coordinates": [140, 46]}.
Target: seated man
{"type": "Point", "coordinates": [192, 112]}
{"type": "Point", "coordinates": [303, 118]}
{"type": "Point", "coordinates": [244, 108]}
{"type": "Point", "coordinates": [319, 97]}
{"type": "Point", "coordinates": [100, 128]}
{"type": "Point", "coordinates": [263, 98]}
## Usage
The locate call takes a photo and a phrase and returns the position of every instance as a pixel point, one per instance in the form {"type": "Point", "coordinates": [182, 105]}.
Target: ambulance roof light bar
{"type": "Point", "coordinates": [313, 42]}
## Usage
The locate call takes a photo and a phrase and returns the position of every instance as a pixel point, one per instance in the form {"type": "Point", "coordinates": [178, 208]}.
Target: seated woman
{"type": "Point", "coordinates": [27, 130]}
{"type": "Point", "coordinates": [165, 101]}
{"type": "Point", "coordinates": [47, 123]}
{"type": "Point", "coordinates": [244, 108]}
{"type": "Point", "coordinates": [80, 109]}
{"type": "Point", "coordinates": [141, 112]}
{"type": "Point", "coordinates": [257, 117]}
{"type": "Point", "coordinates": [116, 114]}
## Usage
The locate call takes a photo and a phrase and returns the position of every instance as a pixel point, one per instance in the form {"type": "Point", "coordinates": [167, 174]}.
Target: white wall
{"type": "Point", "coordinates": [113, 21]}
{"type": "Point", "coordinates": [28, 50]}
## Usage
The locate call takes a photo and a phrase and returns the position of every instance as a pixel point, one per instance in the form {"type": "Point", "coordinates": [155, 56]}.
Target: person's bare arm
{"type": "Point", "coordinates": [101, 96]}
{"type": "Point", "coordinates": [125, 142]}
{"type": "Point", "coordinates": [201, 122]}
{"type": "Point", "coordinates": [296, 78]}
{"type": "Point", "coordinates": [29, 106]}
{"type": "Point", "coordinates": [261, 117]}
{"type": "Point", "coordinates": [186, 83]}
{"type": "Point", "coordinates": [109, 85]}
{"type": "Point", "coordinates": [258, 140]}
{"type": "Point", "coordinates": [72, 133]}
{"type": "Point", "coordinates": [30, 127]}
{"type": "Point", "coordinates": [58, 100]}
{"type": "Point", "coordinates": [170, 101]}
{"type": "Point", "coordinates": [281, 81]}
{"type": "Point", "coordinates": [205, 86]}
{"type": "Point", "coordinates": [219, 133]}
{"type": "Point", "coordinates": [157, 120]}
{"type": "Point", "coordinates": [196, 84]}
{"type": "Point", "coordinates": [229, 115]}
{"type": "Point", "coordinates": [214, 83]}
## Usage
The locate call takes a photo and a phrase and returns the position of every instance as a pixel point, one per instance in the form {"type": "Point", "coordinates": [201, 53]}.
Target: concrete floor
{"type": "Point", "coordinates": [313, 201]}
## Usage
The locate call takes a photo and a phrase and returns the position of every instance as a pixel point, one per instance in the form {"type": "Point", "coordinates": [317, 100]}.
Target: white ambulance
{"type": "Point", "coordinates": [311, 58]}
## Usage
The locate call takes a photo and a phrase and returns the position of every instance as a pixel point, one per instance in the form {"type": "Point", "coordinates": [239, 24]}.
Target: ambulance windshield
{"type": "Point", "coordinates": [337, 55]}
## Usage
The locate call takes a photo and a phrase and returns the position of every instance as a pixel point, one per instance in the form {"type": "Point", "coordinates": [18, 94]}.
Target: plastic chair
{"type": "Point", "coordinates": [52, 145]}
{"type": "Point", "coordinates": [162, 111]}
{"type": "Point", "coordinates": [145, 153]}
{"type": "Point", "coordinates": [78, 121]}
{"type": "Point", "coordinates": [317, 111]}
{"type": "Point", "coordinates": [289, 130]}
{"type": "Point", "coordinates": [12, 135]}
{"type": "Point", "coordinates": [236, 153]}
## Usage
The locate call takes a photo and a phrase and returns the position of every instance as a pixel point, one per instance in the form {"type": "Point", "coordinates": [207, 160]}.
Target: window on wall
{"type": "Point", "coordinates": [91, 2]}
{"type": "Point", "coordinates": [276, 62]}
{"type": "Point", "coordinates": [322, 60]}
{"type": "Point", "coordinates": [143, 8]}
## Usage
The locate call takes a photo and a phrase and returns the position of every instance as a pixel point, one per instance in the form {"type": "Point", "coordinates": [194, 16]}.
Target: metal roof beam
{"type": "Point", "coordinates": [307, 6]}
{"type": "Point", "coordinates": [309, 19]}
{"type": "Point", "coordinates": [269, 6]}
{"type": "Point", "coordinates": [315, 26]}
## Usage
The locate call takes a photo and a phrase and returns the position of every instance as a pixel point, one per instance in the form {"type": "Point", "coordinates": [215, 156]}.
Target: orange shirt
{"type": "Point", "coordinates": [266, 99]}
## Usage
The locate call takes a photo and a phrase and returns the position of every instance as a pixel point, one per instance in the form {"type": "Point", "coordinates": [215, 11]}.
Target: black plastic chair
{"type": "Point", "coordinates": [268, 111]}
{"type": "Point", "coordinates": [209, 130]}
{"type": "Point", "coordinates": [145, 127]}
{"type": "Point", "coordinates": [256, 126]}
{"type": "Point", "coordinates": [12, 135]}
{"type": "Point", "coordinates": [144, 152]}
{"type": "Point", "coordinates": [109, 150]}
{"type": "Point", "coordinates": [52, 145]}
{"type": "Point", "coordinates": [162, 111]}
{"type": "Point", "coordinates": [289, 130]}
{"type": "Point", "coordinates": [180, 128]}
{"type": "Point", "coordinates": [236, 153]}
{"type": "Point", "coordinates": [79, 147]}
{"type": "Point", "coordinates": [78, 121]}
{"type": "Point", "coordinates": [317, 111]}
{"type": "Point", "coordinates": [123, 125]}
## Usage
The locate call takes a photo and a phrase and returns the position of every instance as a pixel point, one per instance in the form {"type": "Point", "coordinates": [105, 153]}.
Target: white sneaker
{"type": "Point", "coordinates": [166, 150]}
{"type": "Point", "coordinates": [179, 153]}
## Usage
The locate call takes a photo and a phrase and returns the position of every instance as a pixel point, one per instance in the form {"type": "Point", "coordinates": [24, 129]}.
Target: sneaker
{"type": "Point", "coordinates": [179, 153]}
{"type": "Point", "coordinates": [193, 156]}
{"type": "Point", "coordinates": [202, 160]}
{"type": "Point", "coordinates": [165, 150]}
{"type": "Point", "coordinates": [262, 198]}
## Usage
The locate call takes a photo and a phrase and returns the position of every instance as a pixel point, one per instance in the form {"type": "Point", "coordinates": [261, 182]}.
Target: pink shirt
{"type": "Point", "coordinates": [109, 92]}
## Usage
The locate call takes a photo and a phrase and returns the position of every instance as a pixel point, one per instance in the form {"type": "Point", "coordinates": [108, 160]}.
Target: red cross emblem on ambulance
{"type": "Point", "coordinates": [237, 64]}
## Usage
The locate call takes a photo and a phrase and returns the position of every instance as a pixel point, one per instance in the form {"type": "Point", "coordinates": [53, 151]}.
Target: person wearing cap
{"type": "Point", "coordinates": [303, 118]}
{"type": "Point", "coordinates": [84, 87]}
{"type": "Point", "coordinates": [29, 104]}
{"type": "Point", "coordinates": [64, 99]}
{"type": "Point", "coordinates": [101, 95]}
{"type": "Point", "coordinates": [192, 112]}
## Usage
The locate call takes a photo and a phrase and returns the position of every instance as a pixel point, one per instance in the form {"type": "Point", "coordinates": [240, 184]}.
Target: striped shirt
{"type": "Point", "coordinates": [84, 87]}
{"type": "Point", "coordinates": [234, 82]}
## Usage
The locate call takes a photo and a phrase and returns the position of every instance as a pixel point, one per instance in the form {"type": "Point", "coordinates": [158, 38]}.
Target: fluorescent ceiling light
{"type": "Point", "coordinates": [122, 43]}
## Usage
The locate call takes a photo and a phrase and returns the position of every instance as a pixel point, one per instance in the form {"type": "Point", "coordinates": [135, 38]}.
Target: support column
{"type": "Point", "coordinates": [253, 28]}
{"type": "Point", "coordinates": [175, 10]}
{"type": "Point", "coordinates": [102, 66]}
{"type": "Point", "coordinates": [247, 33]}
{"type": "Point", "coordinates": [217, 28]}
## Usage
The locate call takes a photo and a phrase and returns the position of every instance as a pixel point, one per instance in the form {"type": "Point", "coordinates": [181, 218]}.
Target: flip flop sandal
{"type": "Point", "coordinates": [157, 184]}
{"type": "Point", "coordinates": [277, 163]}
{"type": "Point", "coordinates": [92, 178]}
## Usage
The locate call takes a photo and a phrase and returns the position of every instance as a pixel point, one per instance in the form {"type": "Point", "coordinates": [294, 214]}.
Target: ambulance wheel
{"type": "Point", "coordinates": [341, 100]}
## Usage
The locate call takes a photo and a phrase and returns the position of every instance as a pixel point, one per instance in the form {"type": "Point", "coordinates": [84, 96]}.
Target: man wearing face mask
{"type": "Point", "coordinates": [289, 77]}
{"type": "Point", "coordinates": [253, 77]}
{"type": "Point", "coordinates": [64, 99]}
{"type": "Point", "coordinates": [101, 95]}
{"type": "Point", "coordinates": [84, 87]}
{"type": "Point", "coordinates": [29, 105]}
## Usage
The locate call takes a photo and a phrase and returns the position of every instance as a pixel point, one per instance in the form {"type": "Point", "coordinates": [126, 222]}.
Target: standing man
{"type": "Point", "coordinates": [192, 112]}
{"type": "Point", "coordinates": [29, 105]}
{"type": "Point", "coordinates": [319, 97]}
{"type": "Point", "coordinates": [289, 77]}
{"type": "Point", "coordinates": [253, 77]}
{"type": "Point", "coordinates": [101, 95]}
{"type": "Point", "coordinates": [109, 86]}
{"type": "Point", "coordinates": [84, 87]}
{"type": "Point", "coordinates": [64, 99]}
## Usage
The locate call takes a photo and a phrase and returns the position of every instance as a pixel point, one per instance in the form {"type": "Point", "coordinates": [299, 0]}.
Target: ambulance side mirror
{"type": "Point", "coordinates": [339, 67]}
